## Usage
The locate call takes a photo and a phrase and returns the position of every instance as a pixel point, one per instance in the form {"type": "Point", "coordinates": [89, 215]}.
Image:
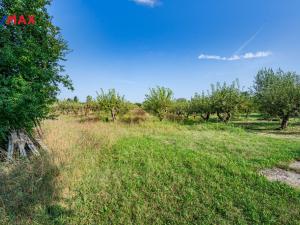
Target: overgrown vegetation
{"type": "Point", "coordinates": [141, 169]}
{"type": "Point", "coordinates": [156, 172]}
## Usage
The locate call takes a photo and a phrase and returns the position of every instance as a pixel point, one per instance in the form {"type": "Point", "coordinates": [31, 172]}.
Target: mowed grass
{"type": "Point", "coordinates": [165, 173]}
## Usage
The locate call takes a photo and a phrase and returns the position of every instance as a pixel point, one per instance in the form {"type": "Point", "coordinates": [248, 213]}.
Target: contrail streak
{"type": "Point", "coordinates": [249, 40]}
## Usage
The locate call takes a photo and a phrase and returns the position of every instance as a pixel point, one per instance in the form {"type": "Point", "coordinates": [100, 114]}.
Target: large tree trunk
{"type": "Point", "coordinates": [19, 143]}
{"type": "Point", "coordinates": [227, 117]}
{"type": "Point", "coordinates": [284, 122]}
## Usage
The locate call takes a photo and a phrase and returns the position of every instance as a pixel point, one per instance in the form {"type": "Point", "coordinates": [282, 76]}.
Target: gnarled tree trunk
{"type": "Point", "coordinates": [224, 117]}
{"type": "Point", "coordinates": [284, 122]}
{"type": "Point", "coordinates": [20, 142]}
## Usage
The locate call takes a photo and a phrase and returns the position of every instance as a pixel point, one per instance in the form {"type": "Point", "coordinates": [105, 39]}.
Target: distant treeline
{"type": "Point", "coordinates": [276, 94]}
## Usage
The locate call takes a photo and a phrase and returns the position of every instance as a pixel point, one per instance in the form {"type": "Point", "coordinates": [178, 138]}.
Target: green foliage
{"type": "Point", "coordinates": [278, 94]}
{"type": "Point", "coordinates": [246, 103]}
{"type": "Point", "coordinates": [90, 105]}
{"type": "Point", "coordinates": [75, 99]}
{"type": "Point", "coordinates": [158, 101]}
{"type": "Point", "coordinates": [112, 102]}
{"type": "Point", "coordinates": [226, 100]}
{"type": "Point", "coordinates": [180, 107]}
{"type": "Point", "coordinates": [68, 107]}
{"type": "Point", "coordinates": [202, 105]}
{"type": "Point", "coordinates": [30, 72]}
{"type": "Point", "coordinates": [89, 99]}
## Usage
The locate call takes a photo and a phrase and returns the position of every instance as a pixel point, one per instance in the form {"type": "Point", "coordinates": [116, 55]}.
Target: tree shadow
{"type": "Point", "coordinates": [28, 188]}
{"type": "Point", "coordinates": [257, 125]}
{"type": "Point", "coordinates": [254, 123]}
{"type": "Point", "coordinates": [269, 127]}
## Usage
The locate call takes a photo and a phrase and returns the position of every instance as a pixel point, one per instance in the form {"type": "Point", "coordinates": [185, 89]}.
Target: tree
{"type": "Point", "coordinates": [30, 72]}
{"type": "Point", "coordinates": [246, 103]}
{"type": "Point", "coordinates": [225, 100]}
{"type": "Point", "coordinates": [180, 107]}
{"type": "Point", "coordinates": [89, 99]}
{"type": "Point", "coordinates": [278, 94]}
{"type": "Point", "coordinates": [158, 101]}
{"type": "Point", "coordinates": [202, 105]}
{"type": "Point", "coordinates": [111, 102]}
{"type": "Point", "coordinates": [90, 105]}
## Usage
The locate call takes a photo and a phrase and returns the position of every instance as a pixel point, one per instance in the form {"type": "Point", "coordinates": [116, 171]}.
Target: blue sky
{"type": "Point", "coordinates": [132, 45]}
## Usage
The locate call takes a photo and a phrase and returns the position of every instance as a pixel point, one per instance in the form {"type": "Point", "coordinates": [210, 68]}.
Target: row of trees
{"type": "Point", "coordinates": [223, 100]}
{"type": "Point", "coordinates": [274, 93]}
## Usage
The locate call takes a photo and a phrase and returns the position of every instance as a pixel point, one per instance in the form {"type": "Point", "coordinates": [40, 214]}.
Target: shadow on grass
{"type": "Point", "coordinates": [258, 125]}
{"type": "Point", "coordinates": [29, 191]}
{"type": "Point", "coordinates": [270, 127]}
{"type": "Point", "coordinates": [253, 123]}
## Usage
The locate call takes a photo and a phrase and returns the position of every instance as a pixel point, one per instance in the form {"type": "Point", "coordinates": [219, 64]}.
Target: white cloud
{"type": "Point", "coordinates": [249, 55]}
{"type": "Point", "coordinates": [150, 3]}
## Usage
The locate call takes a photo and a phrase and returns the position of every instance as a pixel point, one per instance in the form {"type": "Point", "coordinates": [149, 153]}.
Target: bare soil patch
{"type": "Point", "coordinates": [295, 166]}
{"type": "Point", "coordinates": [289, 177]}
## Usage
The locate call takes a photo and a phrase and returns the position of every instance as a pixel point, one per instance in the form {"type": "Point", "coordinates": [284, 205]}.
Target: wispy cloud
{"type": "Point", "coordinates": [247, 56]}
{"type": "Point", "coordinates": [150, 3]}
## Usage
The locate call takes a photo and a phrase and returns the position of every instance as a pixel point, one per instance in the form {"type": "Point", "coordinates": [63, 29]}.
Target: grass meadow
{"type": "Point", "coordinates": [154, 173]}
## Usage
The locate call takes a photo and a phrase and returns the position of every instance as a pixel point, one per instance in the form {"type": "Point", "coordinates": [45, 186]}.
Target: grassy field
{"type": "Point", "coordinates": [154, 173]}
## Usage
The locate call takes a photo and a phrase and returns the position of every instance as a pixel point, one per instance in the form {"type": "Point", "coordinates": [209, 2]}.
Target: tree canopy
{"type": "Point", "coordinates": [202, 105]}
{"type": "Point", "coordinates": [112, 102]}
{"type": "Point", "coordinates": [158, 101]}
{"type": "Point", "coordinates": [225, 100]}
{"type": "Point", "coordinates": [278, 94]}
{"type": "Point", "coordinates": [30, 66]}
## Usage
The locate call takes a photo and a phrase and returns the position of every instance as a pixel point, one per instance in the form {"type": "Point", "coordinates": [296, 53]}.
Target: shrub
{"type": "Point", "coordinates": [136, 115]}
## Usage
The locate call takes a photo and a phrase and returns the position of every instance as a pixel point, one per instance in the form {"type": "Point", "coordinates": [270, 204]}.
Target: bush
{"type": "Point", "coordinates": [174, 117]}
{"type": "Point", "coordinates": [136, 115]}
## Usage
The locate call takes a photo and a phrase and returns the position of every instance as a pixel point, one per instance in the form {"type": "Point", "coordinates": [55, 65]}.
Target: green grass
{"type": "Point", "coordinates": [166, 173]}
